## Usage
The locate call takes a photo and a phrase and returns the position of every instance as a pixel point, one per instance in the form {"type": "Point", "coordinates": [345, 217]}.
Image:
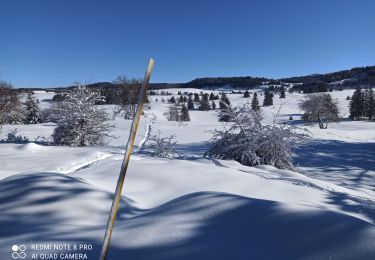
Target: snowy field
{"type": "Point", "coordinates": [192, 207]}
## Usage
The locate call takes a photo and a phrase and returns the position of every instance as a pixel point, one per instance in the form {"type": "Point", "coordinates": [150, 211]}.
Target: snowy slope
{"type": "Point", "coordinates": [195, 208]}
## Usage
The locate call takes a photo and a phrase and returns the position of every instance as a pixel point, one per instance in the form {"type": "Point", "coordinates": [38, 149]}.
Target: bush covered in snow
{"type": "Point", "coordinates": [160, 146]}
{"type": "Point", "coordinates": [247, 140]}
{"type": "Point", "coordinates": [79, 121]}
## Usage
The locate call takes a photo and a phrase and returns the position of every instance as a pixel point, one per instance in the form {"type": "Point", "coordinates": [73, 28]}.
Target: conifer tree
{"type": "Point", "coordinates": [246, 94]}
{"type": "Point", "coordinates": [368, 103]}
{"type": "Point", "coordinates": [268, 98]}
{"type": "Point", "coordinates": [184, 113]}
{"type": "Point", "coordinates": [282, 92]}
{"type": "Point", "coordinates": [204, 104]}
{"type": "Point", "coordinates": [32, 111]}
{"type": "Point", "coordinates": [255, 102]}
{"type": "Point", "coordinates": [190, 103]}
{"type": "Point", "coordinates": [196, 97]}
{"type": "Point", "coordinates": [172, 100]}
{"type": "Point", "coordinates": [356, 104]}
{"type": "Point", "coordinates": [212, 96]}
{"type": "Point", "coordinates": [213, 105]}
{"type": "Point", "coordinates": [224, 101]}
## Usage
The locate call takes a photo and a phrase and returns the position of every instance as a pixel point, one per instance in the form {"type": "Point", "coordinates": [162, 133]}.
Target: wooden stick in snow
{"type": "Point", "coordinates": [125, 163]}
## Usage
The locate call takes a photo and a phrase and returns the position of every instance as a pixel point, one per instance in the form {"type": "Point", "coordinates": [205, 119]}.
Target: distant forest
{"type": "Point", "coordinates": [360, 76]}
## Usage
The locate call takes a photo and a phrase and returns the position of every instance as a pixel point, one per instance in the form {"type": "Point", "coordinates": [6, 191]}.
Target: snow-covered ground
{"type": "Point", "coordinates": [191, 207]}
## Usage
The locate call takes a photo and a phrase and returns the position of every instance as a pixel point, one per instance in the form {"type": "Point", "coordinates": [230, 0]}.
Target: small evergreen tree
{"type": "Point", "coordinates": [172, 100]}
{"type": "Point", "coordinates": [190, 103]}
{"type": "Point", "coordinates": [184, 113]}
{"type": "Point", "coordinates": [32, 111]}
{"type": "Point", "coordinates": [181, 99]}
{"type": "Point", "coordinates": [368, 103]}
{"type": "Point", "coordinates": [282, 92]}
{"type": "Point", "coordinates": [255, 103]}
{"type": "Point", "coordinates": [196, 97]}
{"type": "Point", "coordinates": [224, 101]}
{"type": "Point", "coordinates": [212, 96]}
{"type": "Point", "coordinates": [268, 98]}
{"type": "Point", "coordinates": [246, 94]}
{"type": "Point", "coordinates": [356, 104]}
{"type": "Point", "coordinates": [204, 104]}
{"type": "Point", "coordinates": [213, 105]}
{"type": "Point", "coordinates": [173, 113]}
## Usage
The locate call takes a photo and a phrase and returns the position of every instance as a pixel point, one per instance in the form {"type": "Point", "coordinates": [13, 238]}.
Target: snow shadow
{"type": "Point", "coordinates": [41, 203]}
{"type": "Point", "coordinates": [226, 226]}
{"type": "Point", "coordinates": [348, 164]}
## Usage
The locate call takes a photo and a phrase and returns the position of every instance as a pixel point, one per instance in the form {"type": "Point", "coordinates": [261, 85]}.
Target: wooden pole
{"type": "Point", "coordinates": [125, 162]}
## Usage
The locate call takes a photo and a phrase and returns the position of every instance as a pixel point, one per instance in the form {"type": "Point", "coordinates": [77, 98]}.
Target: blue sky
{"type": "Point", "coordinates": [48, 43]}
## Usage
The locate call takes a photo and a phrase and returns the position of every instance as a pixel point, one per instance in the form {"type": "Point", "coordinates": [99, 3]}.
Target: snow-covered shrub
{"type": "Point", "coordinates": [159, 146]}
{"type": "Point", "coordinates": [247, 140]}
{"type": "Point", "coordinates": [79, 121]}
{"type": "Point", "coordinates": [14, 137]}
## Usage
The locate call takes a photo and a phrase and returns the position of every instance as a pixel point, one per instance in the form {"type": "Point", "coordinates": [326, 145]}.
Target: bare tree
{"type": "Point", "coordinates": [320, 108]}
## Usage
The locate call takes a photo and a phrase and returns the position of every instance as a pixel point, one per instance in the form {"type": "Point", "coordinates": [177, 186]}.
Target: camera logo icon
{"type": "Point", "coordinates": [18, 251]}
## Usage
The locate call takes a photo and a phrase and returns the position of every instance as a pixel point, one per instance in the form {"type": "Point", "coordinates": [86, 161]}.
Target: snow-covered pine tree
{"type": "Point", "coordinates": [212, 96]}
{"type": "Point", "coordinates": [268, 98]}
{"type": "Point", "coordinates": [181, 99]}
{"type": "Point", "coordinates": [368, 103]}
{"type": "Point", "coordinates": [173, 112]}
{"type": "Point", "coordinates": [204, 103]}
{"type": "Point", "coordinates": [190, 103]}
{"type": "Point", "coordinates": [250, 142]}
{"type": "Point", "coordinates": [224, 101]}
{"type": "Point", "coordinates": [282, 92]}
{"type": "Point", "coordinates": [213, 105]}
{"type": "Point", "coordinates": [255, 103]}
{"type": "Point", "coordinates": [79, 121]}
{"type": "Point", "coordinates": [172, 100]}
{"type": "Point", "coordinates": [356, 104]}
{"type": "Point", "coordinates": [32, 111]}
{"type": "Point", "coordinates": [246, 94]}
{"type": "Point", "coordinates": [196, 97]}
{"type": "Point", "coordinates": [184, 113]}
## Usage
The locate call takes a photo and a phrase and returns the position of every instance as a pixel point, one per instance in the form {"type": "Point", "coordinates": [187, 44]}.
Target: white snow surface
{"type": "Point", "coordinates": [191, 207]}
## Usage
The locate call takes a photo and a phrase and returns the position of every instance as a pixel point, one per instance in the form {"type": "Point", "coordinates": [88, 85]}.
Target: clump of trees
{"type": "Point", "coordinates": [178, 112]}
{"type": "Point", "coordinates": [125, 96]}
{"type": "Point", "coordinates": [250, 142]}
{"type": "Point", "coordinates": [79, 121]}
{"type": "Point", "coordinates": [362, 104]}
{"type": "Point", "coordinates": [319, 108]}
{"type": "Point", "coordinates": [10, 105]}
